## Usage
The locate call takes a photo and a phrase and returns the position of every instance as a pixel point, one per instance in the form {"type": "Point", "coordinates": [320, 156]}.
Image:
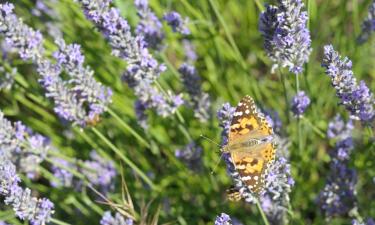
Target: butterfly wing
{"type": "Point", "coordinates": [250, 162]}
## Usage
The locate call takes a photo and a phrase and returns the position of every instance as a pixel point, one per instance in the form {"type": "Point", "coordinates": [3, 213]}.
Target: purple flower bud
{"type": "Point", "coordinates": [299, 103]}
{"type": "Point", "coordinates": [175, 20]}
{"type": "Point", "coordinates": [223, 219]}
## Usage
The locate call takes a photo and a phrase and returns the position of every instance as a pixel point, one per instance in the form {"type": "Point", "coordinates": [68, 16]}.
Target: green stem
{"type": "Point", "coordinates": [298, 119]}
{"type": "Point", "coordinates": [124, 158]}
{"type": "Point", "coordinates": [59, 222]}
{"type": "Point", "coordinates": [265, 220]}
{"type": "Point", "coordinates": [228, 34]}
{"type": "Point", "coordinates": [129, 129]}
{"type": "Point", "coordinates": [315, 129]}
{"type": "Point", "coordinates": [259, 5]}
{"type": "Point", "coordinates": [282, 78]}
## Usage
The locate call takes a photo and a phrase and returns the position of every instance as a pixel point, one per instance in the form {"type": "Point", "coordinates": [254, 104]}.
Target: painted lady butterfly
{"type": "Point", "coordinates": [251, 144]}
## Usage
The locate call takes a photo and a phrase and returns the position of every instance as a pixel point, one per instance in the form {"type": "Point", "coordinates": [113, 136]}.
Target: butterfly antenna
{"type": "Point", "coordinates": [217, 163]}
{"type": "Point", "coordinates": [210, 140]}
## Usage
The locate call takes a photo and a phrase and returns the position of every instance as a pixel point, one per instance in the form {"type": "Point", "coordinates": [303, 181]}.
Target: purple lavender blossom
{"type": "Point", "coordinates": [108, 219]}
{"type": "Point", "coordinates": [337, 128]}
{"type": "Point", "coordinates": [199, 100]}
{"type": "Point", "coordinates": [99, 171]}
{"type": "Point", "coordinates": [223, 219]}
{"type": "Point", "coordinates": [78, 99]}
{"type": "Point", "coordinates": [149, 25]}
{"type": "Point", "coordinates": [191, 155]}
{"type": "Point", "coordinates": [178, 24]}
{"type": "Point", "coordinates": [26, 207]}
{"type": "Point", "coordinates": [368, 25]}
{"type": "Point", "coordinates": [357, 99]}
{"type": "Point", "coordinates": [286, 37]}
{"type": "Point", "coordinates": [224, 115]}
{"type": "Point", "coordinates": [369, 221]}
{"type": "Point", "coordinates": [25, 40]}
{"type": "Point", "coordinates": [23, 147]}
{"type": "Point", "coordinates": [70, 59]}
{"type": "Point", "coordinates": [338, 197]}
{"type": "Point", "coordinates": [64, 178]}
{"type": "Point", "coordinates": [299, 103]}
{"type": "Point", "coordinates": [142, 69]}
{"type": "Point", "coordinates": [278, 185]}
{"type": "Point", "coordinates": [273, 118]}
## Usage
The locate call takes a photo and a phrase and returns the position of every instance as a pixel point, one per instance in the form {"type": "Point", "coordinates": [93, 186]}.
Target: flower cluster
{"type": "Point", "coordinates": [191, 155]}
{"type": "Point", "coordinates": [23, 147]}
{"type": "Point", "coordinates": [149, 25]}
{"type": "Point", "coordinates": [338, 197]}
{"type": "Point", "coordinates": [223, 219]}
{"type": "Point", "coordinates": [299, 103]}
{"type": "Point", "coordinates": [368, 25]}
{"type": "Point", "coordinates": [357, 98]}
{"type": "Point", "coordinates": [178, 24]}
{"type": "Point", "coordinates": [278, 185]}
{"type": "Point", "coordinates": [100, 172]}
{"type": "Point", "coordinates": [200, 101]}
{"type": "Point", "coordinates": [118, 219]}
{"type": "Point", "coordinates": [78, 99]}
{"type": "Point", "coordinates": [26, 207]}
{"type": "Point", "coordinates": [224, 115]}
{"type": "Point", "coordinates": [142, 69]}
{"type": "Point", "coordinates": [286, 37]}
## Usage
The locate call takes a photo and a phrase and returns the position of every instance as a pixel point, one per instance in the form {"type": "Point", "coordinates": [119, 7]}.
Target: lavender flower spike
{"type": "Point", "coordinates": [178, 24]}
{"type": "Point", "coordinates": [368, 25]}
{"type": "Point", "coordinates": [108, 219]}
{"type": "Point", "coordinates": [149, 25]}
{"type": "Point", "coordinates": [142, 69]}
{"type": "Point", "coordinates": [299, 103]}
{"type": "Point", "coordinates": [338, 197]}
{"type": "Point", "coordinates": [23, 147]}
{"type": "Point", "coordinates": [286, 38]}
{"type": "Point", "coordinates": [356, 98]}
{"type": "Point", "coordinates": [78, 99]}
{"type": "Point", "coordinates": [223, 219]}
{"type": "Point", "coordinates": [200, 100]}
{"type": "Point", "coordinates": [26, 207]}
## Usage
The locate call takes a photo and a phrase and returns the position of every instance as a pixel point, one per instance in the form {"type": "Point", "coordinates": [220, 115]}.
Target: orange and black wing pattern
{"type": "Point", "coordinates": [250, 162]}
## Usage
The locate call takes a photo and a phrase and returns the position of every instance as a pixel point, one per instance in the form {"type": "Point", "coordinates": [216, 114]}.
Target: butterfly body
{"type": "Point", "coordinates": [251, 144]}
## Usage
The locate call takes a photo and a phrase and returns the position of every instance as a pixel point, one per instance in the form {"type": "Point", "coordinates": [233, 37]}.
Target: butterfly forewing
{"type": "Point", "coordinates": [250, 160]}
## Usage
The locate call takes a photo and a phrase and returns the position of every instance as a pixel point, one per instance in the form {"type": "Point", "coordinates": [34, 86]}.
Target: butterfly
{"type": "Point", "coordinates": [251, 145]}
